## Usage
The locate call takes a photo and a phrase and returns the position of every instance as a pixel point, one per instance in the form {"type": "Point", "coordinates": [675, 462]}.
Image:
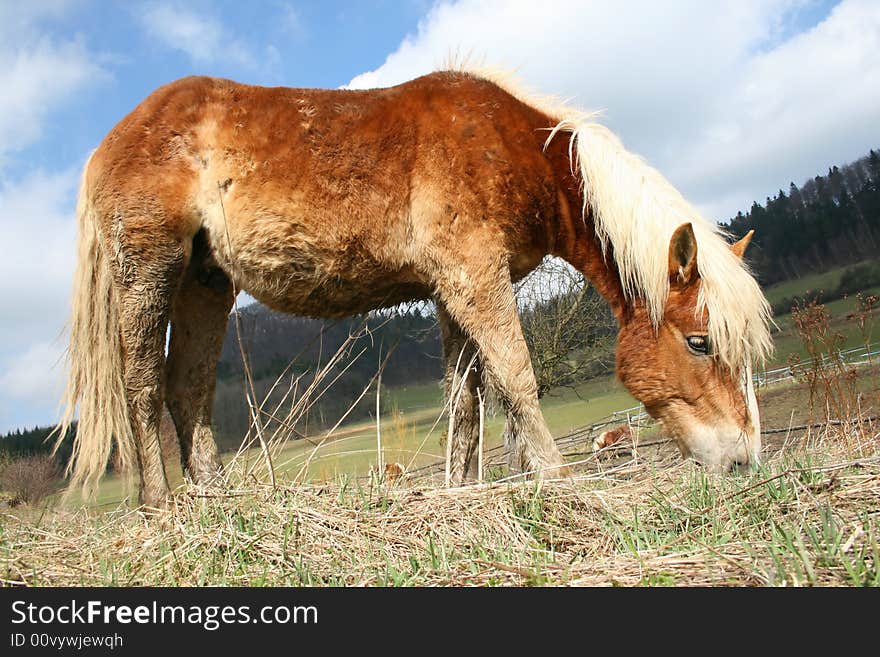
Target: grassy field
{"type": "Point", "coordinates": [826, 281]}
{"type": "Point", "coordinates": [632, 516]}
{"type": "Point", "coordinates": [786, 342]}
{"type": "Point", "coordinates": [414, 433]}
{"type": "Point", "coordinates": [807, 517]}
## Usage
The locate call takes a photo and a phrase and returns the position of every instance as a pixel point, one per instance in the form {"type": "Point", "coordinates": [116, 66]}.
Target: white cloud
{"type": "Point", "coordinates": [811, 102]}
{"type": "Point", "coordinates": [291, 21]}
{"type": "Point", "coordinates": [204, 39]}
{"type": "Point", "coordinates": [718, 96]}
{"type": "Point", "coordinates": [33, 376]}
{"type": "Point", "coordinates": [17, 18]}
{"type": "Point", "coordinates": [37, 231]}
{"type": "Point", "coordinates": [39, 73]}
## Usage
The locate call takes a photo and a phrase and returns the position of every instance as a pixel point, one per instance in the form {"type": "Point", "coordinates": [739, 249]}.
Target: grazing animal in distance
{"type": "Point", "coordinates": [612, 436]}
{"type": "Point", "coordinates": [329, 203]}
{"type": "Point", "coordinates": [394, 471]}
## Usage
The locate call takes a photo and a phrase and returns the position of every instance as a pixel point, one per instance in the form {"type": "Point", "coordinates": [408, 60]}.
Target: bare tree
{"type": "Point", "coordinates": [569, 328]}
{"type": "Point", "coordinates": [29, 479]}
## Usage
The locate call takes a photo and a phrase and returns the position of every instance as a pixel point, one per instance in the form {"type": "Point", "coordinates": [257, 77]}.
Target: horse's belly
{"type": "Point", "coordinates": [324, 283]}
{"type": "Point", "coordinates": [337, 297]}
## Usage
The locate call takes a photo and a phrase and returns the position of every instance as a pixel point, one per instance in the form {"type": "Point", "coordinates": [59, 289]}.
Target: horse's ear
{"type": "Point", "coordinates": [683, 256]}
{"type": "Point", "coordinates": [740, 247]}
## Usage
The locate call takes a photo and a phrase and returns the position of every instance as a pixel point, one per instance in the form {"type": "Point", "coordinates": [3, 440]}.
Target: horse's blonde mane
{"type": "Point", "coordinates": [635, 211]}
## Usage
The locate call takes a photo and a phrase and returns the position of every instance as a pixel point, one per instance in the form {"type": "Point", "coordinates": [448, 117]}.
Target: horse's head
{"type": "Point", "coordinates": [673, 368]}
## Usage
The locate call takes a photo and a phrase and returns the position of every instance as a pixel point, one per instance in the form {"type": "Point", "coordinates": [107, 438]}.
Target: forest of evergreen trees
{"type": "Point", "coordinates": [27, 442]}
{"type": "Point", "coordinates": [828, 221]}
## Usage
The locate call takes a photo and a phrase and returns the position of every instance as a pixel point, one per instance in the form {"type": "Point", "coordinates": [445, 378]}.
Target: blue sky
{"type": "Point", "coordinates": [730, 100]}
{"type": "Point", "coordinates": [308, 44]}
{"type": "Point", "coordinates": [91, 62]}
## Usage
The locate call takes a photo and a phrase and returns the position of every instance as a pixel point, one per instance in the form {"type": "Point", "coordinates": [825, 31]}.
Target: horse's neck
{"type": "Point", "coordinates": [576, 240]}
{"type": "Point", "coordinates": [598, 268]}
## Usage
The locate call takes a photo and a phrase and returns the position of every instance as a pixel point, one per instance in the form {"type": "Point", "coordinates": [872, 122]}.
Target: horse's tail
{"type": "Point", "coordinates": [95, 377]}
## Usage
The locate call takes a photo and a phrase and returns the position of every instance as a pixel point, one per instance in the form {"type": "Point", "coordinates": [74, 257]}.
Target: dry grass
{"type": "Point", "coordinates": [808, 517]}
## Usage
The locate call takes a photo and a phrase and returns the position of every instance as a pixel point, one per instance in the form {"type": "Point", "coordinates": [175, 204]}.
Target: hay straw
{"type": "Point", "coordinates": [657, 520]}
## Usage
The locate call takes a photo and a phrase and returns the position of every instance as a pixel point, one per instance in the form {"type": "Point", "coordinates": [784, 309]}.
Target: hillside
{"type": "Point", "coordinates": [295, 348]}
{"type": "Point", "coordinates": [828, 221]}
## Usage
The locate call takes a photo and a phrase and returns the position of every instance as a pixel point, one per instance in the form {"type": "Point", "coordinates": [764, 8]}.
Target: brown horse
{"type": "Point", "coordinates": [612, 437]}
{"type": "Point", "coordinates": [329, 203]}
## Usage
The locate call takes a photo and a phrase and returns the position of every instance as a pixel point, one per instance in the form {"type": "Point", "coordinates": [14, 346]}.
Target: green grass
{"type": "Point", "coordinates": [756, 526]}
{"type": "Point", "coordinates": [407, 433]}
{"type": "Point", "coordinates": [409, 439]}
{"type": "Point", "coordinates": [827, 281]}
{"type": "Point", "coordinates": [786, 341]}
{"type": "Point", "coordinates": [806, 518]}
{"type": "Point", "coordinates": [414, 397]}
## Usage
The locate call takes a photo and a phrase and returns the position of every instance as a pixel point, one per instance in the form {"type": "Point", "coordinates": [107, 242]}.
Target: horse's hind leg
{"type": "Point", "coordinates": [148, 271]}
{"type": "Point", "coordinates": [463, 377]}
{"type": "Point", "coordinates": [198, 325]}
{"type": "Point", "coordinates": [479, 296]}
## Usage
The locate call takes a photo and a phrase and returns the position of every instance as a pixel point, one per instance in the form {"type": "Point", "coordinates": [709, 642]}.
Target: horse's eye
{"type": "Point", "coordinates": [698, 344]}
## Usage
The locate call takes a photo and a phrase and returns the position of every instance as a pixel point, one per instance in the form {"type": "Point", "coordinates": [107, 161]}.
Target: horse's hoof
{"type": "Point", "coordinates": [559, 472]}
{"type": "Point", "coordinates": [548, 471]}
{"type": "Point", "coordinates": [154, 507]}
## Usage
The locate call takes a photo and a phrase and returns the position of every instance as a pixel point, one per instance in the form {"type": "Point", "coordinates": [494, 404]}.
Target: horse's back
{"type": "Point", "coordinates": [304, 190]}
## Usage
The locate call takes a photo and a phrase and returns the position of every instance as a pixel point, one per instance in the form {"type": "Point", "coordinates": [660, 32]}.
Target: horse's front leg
{"type": "Point", "coordinates": [480, 298]}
